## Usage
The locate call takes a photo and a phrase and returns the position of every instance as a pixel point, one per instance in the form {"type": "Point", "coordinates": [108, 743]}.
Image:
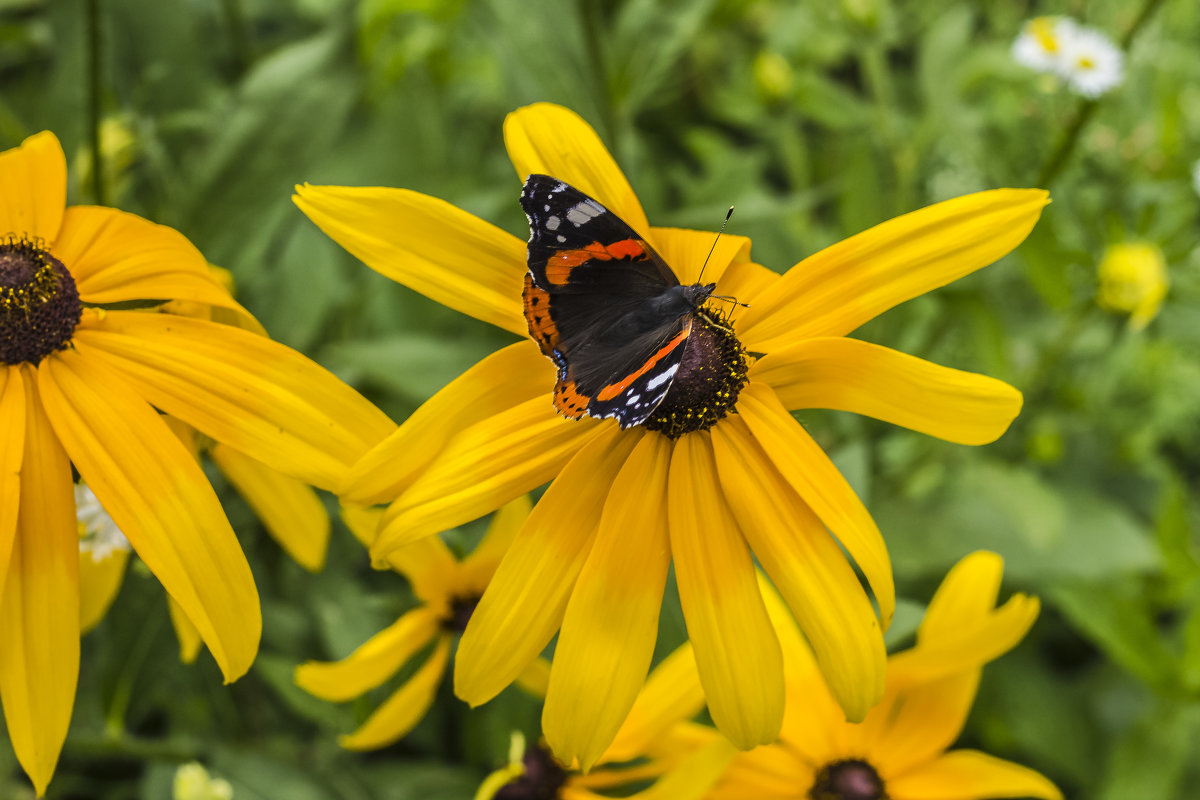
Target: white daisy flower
{"type": "Point", "coordinates": [1090, 63]}
{"type": "Point", "coordinates": [1040, 43]}
{"type": "Point", "coordinates": [98, 534]}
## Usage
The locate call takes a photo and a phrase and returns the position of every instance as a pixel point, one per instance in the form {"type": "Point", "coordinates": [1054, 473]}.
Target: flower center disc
{"type": "Point", "coordinates": [542, 779]}
{"type": "Point", "coordinates": [39, 304]}
{"type": "Point", "coordinates": [847, 780]}
{"type": "Point", "coordinates": [461, 609]}
{"type": "Point", "coordinates": [710, 377]}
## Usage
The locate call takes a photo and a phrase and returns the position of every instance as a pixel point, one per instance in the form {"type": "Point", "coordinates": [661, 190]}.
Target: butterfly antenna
{"type": "Point", "coordinates": [712, 249]}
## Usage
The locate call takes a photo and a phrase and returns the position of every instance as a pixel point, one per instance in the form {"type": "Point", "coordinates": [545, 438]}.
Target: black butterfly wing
{"type": "Point", "coordinates": [594, 301]}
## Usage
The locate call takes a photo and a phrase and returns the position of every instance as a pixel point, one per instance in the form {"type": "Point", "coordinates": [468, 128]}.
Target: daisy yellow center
{"type": "Point", "coordinates": [851, 779]}
{"type": "Point", "coordinates": [710, 377]}
{"type": "Point", "coordinates": [1085, 63]}
{"type": "Point", "coordinates": [542, 779]}
{"type": "Point", "coordinates": [1043, 30]}
{"type": "Point", "coordinates": [39, 304]}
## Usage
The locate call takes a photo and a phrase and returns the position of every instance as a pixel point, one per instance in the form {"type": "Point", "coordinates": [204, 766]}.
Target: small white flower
{"type": "Point", "coordinates": [1040, 43]}
{"type": "Point", "coordinates": [98, 534]}
{"type": "Point", "coordinates": [1090, 63]}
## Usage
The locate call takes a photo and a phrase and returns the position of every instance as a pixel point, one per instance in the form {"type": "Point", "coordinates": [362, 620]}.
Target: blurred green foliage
{"type": "Point", "coordinates": [816, 120]}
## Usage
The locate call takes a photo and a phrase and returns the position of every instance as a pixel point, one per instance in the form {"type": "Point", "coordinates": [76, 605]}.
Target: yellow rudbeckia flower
{"type": "Point", "coordinates": [448, 590]}
{"type": "Point", "coordinates": [899, 751]}
{"type": "Point", "coordinates": [656, 743]}
{"type": "Point", "coordinates": [592, 560]}
{"type": "Point", "coordinates": [79, 387]}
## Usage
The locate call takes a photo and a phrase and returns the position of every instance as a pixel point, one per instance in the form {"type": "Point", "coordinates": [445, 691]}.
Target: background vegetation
{"type": "Point", "coordinates": [816, 120]}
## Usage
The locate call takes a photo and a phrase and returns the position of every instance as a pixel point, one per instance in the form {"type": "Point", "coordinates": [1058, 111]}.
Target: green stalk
{"type": "Point", "coordinates": [239, 43]}
{"type": "Point", "coordinates": [878, 76]}
{"type": "Point", "coordinates": [92, 8]}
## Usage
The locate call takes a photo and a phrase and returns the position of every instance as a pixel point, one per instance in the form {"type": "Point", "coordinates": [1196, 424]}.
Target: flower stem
{"type": "Point", "coordinates": [239, 43]}
{"type": "Point", "coordinates": [99, 193]}
{"type": "Point", "coordinates": [594, 25]}
{"type": "Point", "coordinates": [877, 73]}
{"type": "Point", "coordinates": [1087, 109]}
{"type": "Point", "coordinates": [122, 695]}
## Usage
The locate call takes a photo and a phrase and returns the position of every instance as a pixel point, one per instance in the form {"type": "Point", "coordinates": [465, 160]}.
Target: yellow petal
{"type": "Point", "coordinates": [969, 647]}
{"type": "Point", "coordinates": [806, 564]}
{"type": "Point", "coordinates": [838, 289]}
{"type": "Point", "coordinates": [99, 582]}
{"type": "Point", "coordinates": [686, 251]}
{"type": "Point", "coordinates": [257, 396]}
{"type": "Point", "coordinates": [404, 709]}
{"type": "Point", "coordinates": [157, 495]}
{"type": "Point", "coordinates": [966, 595]}
{"type": "Point", "coordinates": [477, 568]}
{"type": "Point", "coordinates": [507, 774]}
{"type": "Point", "coordinates": [39, 614]}
{"type": "Point", "coordinates": [672, 694]}
{"type": "Point", "coordinates": [12, 452]}
{"type": "Point", "coordinates": [737, 652]}
{"type": "Point", "coordinates": [812, 718]}
{"type": "Point", "coordinates": [363, 521]}
{"type": "Point", "coordinates": [430, 567]}
{"type": "Point", "coordinates": [290, 510]}
{"type": "Point", "coordinates": [496, 384]}
{"type": "Point", "coordinates": [373, 662]}
{"type": "Point", "coordinates": [525, 600]}
{"type": "Point", "coordinates": [913, 725]}
{"type": "Point", "coordinates": [934, 683]}
{"type": "Point", "coordinates": [185, 632]}
{"type": "Point", "coordinates": [33, 188]}
{"type": "Point", "coordinates": [969, 773]}
{"type": "Point", "coordinates": [745, 281]}
{"type": "Point", "coordinates": [484, 467]}
{"type": "Point", "coordinates": [765, 773]}
{"type": "Point", "coordinates": [694, 775]}
{"type": "Point", "coordinates": [611, 621]}
{"type": "Point", "coordinates": [813, 476]}
{"type": "Point", "coordinates": [547, 139]}
{"type": "Point", "coordinates": [116, 256]}
{"type": "Point", "coordinates": [962, 630]}
{"type": "Point", "coordinates": [534, 680]}
{"type": "Point", "coordinates": [428, 245]}
{"type": "Point", "coordinates": [850, 375]}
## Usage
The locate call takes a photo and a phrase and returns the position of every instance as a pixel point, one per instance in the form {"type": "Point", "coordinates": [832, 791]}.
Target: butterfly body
{"type": "Point", "coordinates": [603, 305]}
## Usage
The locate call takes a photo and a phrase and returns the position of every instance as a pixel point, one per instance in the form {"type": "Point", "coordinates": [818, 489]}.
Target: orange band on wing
{"type": "Point", "coordinates": [559, 265]}
{"type": "Point", "coordinates": [614, 389]}
{"type": "Point", "coordinates": [537, 314]}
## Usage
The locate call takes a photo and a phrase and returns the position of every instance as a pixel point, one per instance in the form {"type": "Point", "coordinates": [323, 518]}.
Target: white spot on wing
{"type": "Point", "coordinates": [552, 222]}
{"type": "Point", "coordinates": [633, 400]}
{"type": "Point", "coordinates": [665, 376]}
{"type": "Point", "coordinates": [583, 211]}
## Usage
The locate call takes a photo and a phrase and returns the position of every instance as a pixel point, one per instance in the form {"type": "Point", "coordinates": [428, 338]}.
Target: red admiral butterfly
{"type": "Point", "coordinates": [603, 306]}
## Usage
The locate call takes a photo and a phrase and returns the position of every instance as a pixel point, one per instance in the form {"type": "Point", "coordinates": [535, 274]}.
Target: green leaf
{"type": "Point", "coordinates": [1151, 758]}
{"type": "Point", "coordinates": [1118, 618]}
{"type": "Point", "coordinates": [410, 365]}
